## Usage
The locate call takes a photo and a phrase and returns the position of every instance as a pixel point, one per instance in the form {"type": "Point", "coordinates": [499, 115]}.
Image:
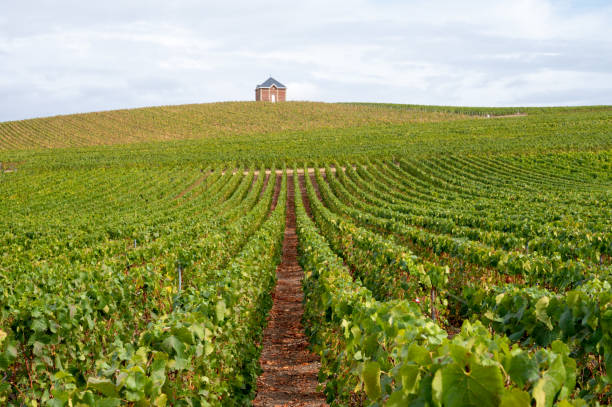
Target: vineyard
{"type": "Point", "coordinates": [203, 121]}
{"type": "Point", "coordinates": [448, 259]}
{"type": "Point", "coordinates": [462, 281]}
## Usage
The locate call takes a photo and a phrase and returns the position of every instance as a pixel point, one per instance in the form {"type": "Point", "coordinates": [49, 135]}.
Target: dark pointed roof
{"type": "Point", "coordinates": [271, 81]}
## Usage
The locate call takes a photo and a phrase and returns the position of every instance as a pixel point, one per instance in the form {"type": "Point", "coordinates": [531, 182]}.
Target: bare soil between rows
{"type": "Point", "coordinates": [192, 186]}
{"type": "Point", "coordinates": [289, 171]}
{"type": "Point", "coordinates": [289, 369]}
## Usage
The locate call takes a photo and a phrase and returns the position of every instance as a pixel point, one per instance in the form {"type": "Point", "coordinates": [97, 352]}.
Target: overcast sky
{"type": "Point", "coordinates": [60, 56]}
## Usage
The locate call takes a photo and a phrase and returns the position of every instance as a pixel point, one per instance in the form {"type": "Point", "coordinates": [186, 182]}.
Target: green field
{"type": "Point", "coordinates": [452, 256]}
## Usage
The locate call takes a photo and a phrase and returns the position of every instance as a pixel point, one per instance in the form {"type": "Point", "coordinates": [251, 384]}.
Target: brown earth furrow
{"type": "Point", "coordinates": [302, 182]}
{"type": "Point", "coordinates": [289, 369]}
{"type": "Point", "coordinates": [192, 186]}
{"type": "Point", "coordinates": [316, 186]}
{"type": "Point", "coordinates": [277, 187]}
{"type": "Point", "coordinates": [289, 171]}
{"type": "Point", "coordinates": [265, 185]}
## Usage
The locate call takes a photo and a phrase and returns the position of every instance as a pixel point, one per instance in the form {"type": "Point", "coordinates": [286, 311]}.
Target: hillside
{"type": "Point", "coordinates": [414, 254]}
{"type": "Point", "coordinates": [189, 122]}
{"type": "Point", "coordinates": [273, 134]}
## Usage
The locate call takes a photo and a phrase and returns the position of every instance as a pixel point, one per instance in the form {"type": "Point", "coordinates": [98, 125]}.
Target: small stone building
{"type": "Point", "coordinates": [271, 91]}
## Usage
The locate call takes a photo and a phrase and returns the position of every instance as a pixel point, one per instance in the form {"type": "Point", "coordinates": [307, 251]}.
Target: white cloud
{"type": "Point", "coordinates": [65, 56]}
{"type": "Point", "coordinates": [303, 90]}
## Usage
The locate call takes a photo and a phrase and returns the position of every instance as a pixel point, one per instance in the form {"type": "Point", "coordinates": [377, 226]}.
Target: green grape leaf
{"type": "Point", "coordinates": [479, 387]}
{"type": "Point", "coordinates": [160, 401]}
{"type": "Point", "coordinates": [548, 386]}
{"type": "Point", "coordinates": [220, 310]}
{"type": "Point", "coordinates": [108, 402]}
{"type": "Point", "coordinates": [515, 398]}
{"type": "Point", "coordinates": [104, 386]}
{"type": "Point", "coordinates": [173, 345]}
{"type": "Point", "coordinates": [408, 375]}
{"type": "Point", "coordinates": [523, 370]}
{"type": "Point", "coordinates": [541, 314]}
{"type": "Point", "coordinates": [371, 378]}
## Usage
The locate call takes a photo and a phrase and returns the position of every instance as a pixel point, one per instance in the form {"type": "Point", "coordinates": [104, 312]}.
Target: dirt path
{"type": "Point", "coordinates": [192, 186]}
{"type": "Point", "coordinates": [277, 186]}
{"type": "Point", "coordinates": [315, 185]}
{"type": "Point", "coordinates": [265, 185]}
{"type": "Point", "coordinates": [305, 200]}
{"type": "Point", "coordinates": [290, 370]}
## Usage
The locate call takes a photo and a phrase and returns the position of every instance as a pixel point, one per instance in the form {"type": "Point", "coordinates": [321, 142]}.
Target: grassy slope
{"type": "Point", "coordinates": [188, 122]}
{"type": "Point", "coordinates": [276, 133]}
{"type": "Point", "coordinates": [493, 111]}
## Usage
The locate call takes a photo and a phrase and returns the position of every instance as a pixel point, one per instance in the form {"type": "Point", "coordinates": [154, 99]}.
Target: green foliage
{"type": "Point", "coordinates": [403, 358]}
{"type": "Point", "coordinates": [503, 222]}
{"type": "Point", "coordinates": [539, 317]}
{"type": "Point", "coordinates": [200, 344]}
{"type": "Point", "coordinates": [290, 132]}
